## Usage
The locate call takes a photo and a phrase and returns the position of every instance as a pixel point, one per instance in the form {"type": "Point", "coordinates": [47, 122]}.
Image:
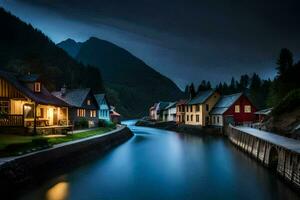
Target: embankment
{"type": "Point", "coordinates": [22, 172]}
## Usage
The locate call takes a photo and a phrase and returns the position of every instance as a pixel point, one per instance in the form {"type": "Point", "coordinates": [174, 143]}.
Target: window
{"type": "Point", "coordinates": [40, 113]}
{"type": "Point", "coordinates": [197, 108]}
{"type": "Point", "coordinates": [191, 117]}
{"type": "Point", "coordinates": [37, 86]}
{"type": "Point", "coordinates": [80, 112]}
{"type": "Point", "coordinates": [4, 106]}
{"type": "Point", "coordinates": [93, 113]}
{"type": "Point", "coordinates": [237, 108]}
{"type": "Point", "coordinates": [207, 107]}
{"type": "Point", "coordinates": [247, 109]}
{"type": "Point", "coordinates": [191, 108]}
{"type": "Point", "coordinates": [187, 118]}
{"type": "Point", "coordinates": [214, 119]}
{"type": "Point", "coordinates": [88, 102]}
{"type": "Point", "coordinates": [218, 119]}
{"type": "Point", "coordinates": [197, 118]}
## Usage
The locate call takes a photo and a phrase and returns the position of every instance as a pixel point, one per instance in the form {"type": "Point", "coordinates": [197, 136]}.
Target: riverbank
{"type": "Point", "coordinates": [180, 128]}
{"type": "Point", "coordinates": [18, 173]}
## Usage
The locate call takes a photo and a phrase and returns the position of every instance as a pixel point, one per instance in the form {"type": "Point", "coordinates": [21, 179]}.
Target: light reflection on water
{"type": "Point", "coordinates": [59, 191]}
{"type": "Point", "coordinates": [158, 164]}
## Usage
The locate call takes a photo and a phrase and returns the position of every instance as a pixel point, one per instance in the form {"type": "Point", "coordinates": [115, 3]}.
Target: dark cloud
{"type": "Point", "coordinates": [188, 40]}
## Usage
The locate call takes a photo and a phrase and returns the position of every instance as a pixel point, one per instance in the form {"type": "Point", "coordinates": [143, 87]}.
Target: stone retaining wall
{"type": "Point", "coordinates": [32, 169]}
{"type": "Point", "coordinates": [288, 162]}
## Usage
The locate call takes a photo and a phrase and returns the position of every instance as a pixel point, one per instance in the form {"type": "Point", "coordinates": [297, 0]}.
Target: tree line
{"type": "Point", "coordinates": [263, 93]}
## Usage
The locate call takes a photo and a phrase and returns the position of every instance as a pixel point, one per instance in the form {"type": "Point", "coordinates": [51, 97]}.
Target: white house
{"type": "Point", "coordinates": [104, 107]}
{"type": "Point", "coordinates": [169, 112]}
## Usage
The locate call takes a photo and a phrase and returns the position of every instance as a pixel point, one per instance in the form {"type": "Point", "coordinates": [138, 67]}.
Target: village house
{"type": "Point", "coordinates": [262, 115]}
{"type": "Point", "coordinates": [83, 104]}
{"type": "Point", "coordinates": [156, 111]}
{"type": "Point", "coordinates": [104, 107]}
{"type": "Point", "coordinates": [26, 104]}
{"type": "Point", "coordinates": [169, 112]}
{"type": "Point", "coordinates": [180, 111]}
{"type": "Point", "coordinates": [114, 115]}
{"type": "Point", "coordinates": [235, 109]}
{"type": "Point", "coordinates": [197, 109]}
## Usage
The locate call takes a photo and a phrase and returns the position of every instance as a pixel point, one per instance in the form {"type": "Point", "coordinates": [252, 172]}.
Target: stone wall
{"type": "Point", "coordinates": [31, 169]}
{"type": "Point", "coordinates": [288, 162]}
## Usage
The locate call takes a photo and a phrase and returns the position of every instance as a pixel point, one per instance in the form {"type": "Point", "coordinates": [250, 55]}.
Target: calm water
{"type": "Point", "coordinates": [157, 164]}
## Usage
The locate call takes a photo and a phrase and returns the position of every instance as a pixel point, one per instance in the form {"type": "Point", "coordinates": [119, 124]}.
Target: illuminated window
{"type": "Point", "coordinates": [37, 86]}
{"type": "Point", "coordinates": [80, 112]}
{"type": "Point", "coordinates": [93, 113]}
{"type": "Point", "coordinates": [237, 108]}
{"type": "Point", "coordinates": [247, 109]}
{"type": "Point", "coordinates": [88, 102]}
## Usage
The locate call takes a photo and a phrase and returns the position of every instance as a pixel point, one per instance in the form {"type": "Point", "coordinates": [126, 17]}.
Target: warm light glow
{"type": "Point", "coordinates": [60, 191]}
{"type": "Point", "coordinates": [27, 107]}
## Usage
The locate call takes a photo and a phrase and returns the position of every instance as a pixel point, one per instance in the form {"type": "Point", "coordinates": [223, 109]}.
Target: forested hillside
{"type": "Point", "coordinates": [24, 49]}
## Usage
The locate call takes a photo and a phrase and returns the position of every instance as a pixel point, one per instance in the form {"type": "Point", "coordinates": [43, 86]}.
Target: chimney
{"type": "Point", "coordinates": [63, 90]}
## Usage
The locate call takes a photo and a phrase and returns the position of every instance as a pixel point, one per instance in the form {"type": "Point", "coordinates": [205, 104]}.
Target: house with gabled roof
{"type": "Point", "coordinates": [156, 111]}
{"type": "Point", "coordinates": [169, 112]}
{"type": "Point", "coordinates": [234, 109]}
{"type": "Point", "coordinates": [104, 107]}
{"type": "Point", "coordinates": [25, 102]}
{"type": "Point", "coordinates": [198, 108]}
{"type": "Point", "coordinates": [83, 104]}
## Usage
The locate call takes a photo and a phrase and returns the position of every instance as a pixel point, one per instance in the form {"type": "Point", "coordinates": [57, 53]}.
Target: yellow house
{"type": "Point", "coordinates": [198, 108]}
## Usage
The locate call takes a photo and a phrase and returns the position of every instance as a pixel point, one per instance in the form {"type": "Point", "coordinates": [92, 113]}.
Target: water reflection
{"type": "Point", "coordinates": [158, 164]}
{"type": "Point", "coordinates": [59, 191]}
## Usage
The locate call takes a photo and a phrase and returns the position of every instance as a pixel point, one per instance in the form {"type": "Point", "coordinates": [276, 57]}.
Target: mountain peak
{"type": "Point", "coordinates": [70, 46]}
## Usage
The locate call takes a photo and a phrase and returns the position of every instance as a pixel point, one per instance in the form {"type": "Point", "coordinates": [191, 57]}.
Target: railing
{"type": "Point", "coordinates": [11, 120]}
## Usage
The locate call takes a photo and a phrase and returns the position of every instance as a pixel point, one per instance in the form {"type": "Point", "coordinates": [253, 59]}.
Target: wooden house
{"type": "Point", "coordinates": [180, 111]}
{"type": "Point", "coordinates": [83, 104]}
{"type": "Point", "coordinates": [156, 111]}
{"type": "Point", "coordinates": [169, 112]}
{"type": "Point", "coordinates": [197, 109]}
{"type": "Point", "coordinates": [25, 102]}
{"type": "Point", "coordinates": [235, 109]}
{"type": "Point", "coordinates": [104, 107]}
{"type": "Point", "coordinates": [115, 116]}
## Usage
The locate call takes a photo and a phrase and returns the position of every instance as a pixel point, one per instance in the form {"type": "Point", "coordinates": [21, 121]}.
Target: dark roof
{"type": "Point", "coordinates": [42, 97]}
{"type": "Point", "coordinates": [74, 97]}
{"type": "Point", "coordinates": [162, 105]}
{"type": "Point", "coordinates": [266, 111]}
{"type": "Point", "coordinates": [171, 105]}
{"type": "Point", "coordinates": [100, 98]}
{"type": "Point", "coordinates": [224, 103]}
{"type": "Point", "coordinates": [201, 97]}
{"type": "Point", "coordinates": [182, 102]}
{"type": "Point", "coordinates": [29, 78]}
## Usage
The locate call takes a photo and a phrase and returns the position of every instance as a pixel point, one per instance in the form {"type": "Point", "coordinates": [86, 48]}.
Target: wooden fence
{"type": "Point", "coordinates": [11, 120]}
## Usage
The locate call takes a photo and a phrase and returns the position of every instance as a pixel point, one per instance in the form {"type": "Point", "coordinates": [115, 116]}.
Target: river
{"type": "Point", "coordinates": [159, 164]}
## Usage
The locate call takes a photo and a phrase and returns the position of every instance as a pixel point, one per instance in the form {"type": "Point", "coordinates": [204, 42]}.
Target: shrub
{"type": "Point", "coordinates": [108, 124]}
{"type": "Point", "coordinates": [81, 123]}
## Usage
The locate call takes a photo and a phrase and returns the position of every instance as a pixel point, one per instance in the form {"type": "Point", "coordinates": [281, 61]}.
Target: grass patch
{"type": "Point", "coordinates": [12, 145]}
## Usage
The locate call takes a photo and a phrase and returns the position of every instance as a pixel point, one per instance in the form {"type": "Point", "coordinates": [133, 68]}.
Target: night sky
{"type": "Point", "coordinates": [187, 40]}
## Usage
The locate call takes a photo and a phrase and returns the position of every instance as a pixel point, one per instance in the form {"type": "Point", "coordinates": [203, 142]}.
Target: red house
{"type": "Point", "coordinates": [235, 109]}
